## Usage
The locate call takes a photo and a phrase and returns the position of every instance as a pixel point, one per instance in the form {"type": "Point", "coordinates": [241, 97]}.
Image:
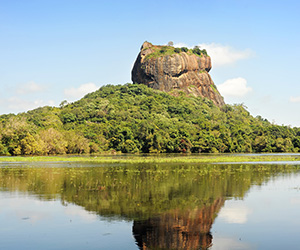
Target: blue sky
{"type": "Point", "coordinates": [52, 51]}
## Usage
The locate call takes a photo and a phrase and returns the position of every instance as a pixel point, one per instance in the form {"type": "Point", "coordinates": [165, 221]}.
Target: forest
{"type": "Point", "coordinates": [133, 118]}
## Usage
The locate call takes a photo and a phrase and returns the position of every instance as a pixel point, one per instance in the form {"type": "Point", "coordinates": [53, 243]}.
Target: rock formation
{"type": "Point", "coordinates": [173, 69]}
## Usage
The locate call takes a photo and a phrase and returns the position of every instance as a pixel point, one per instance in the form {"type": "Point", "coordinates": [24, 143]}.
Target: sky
{"type": "Point", "coordinates": [55, 50]}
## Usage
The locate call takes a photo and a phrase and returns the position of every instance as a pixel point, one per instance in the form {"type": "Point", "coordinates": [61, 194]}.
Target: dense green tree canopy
{"type": "Point", "coordinates": [133, 118]}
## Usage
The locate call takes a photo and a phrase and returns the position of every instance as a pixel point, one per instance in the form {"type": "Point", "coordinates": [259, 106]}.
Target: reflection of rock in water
{"type": "Point", "coordinates": [178, 229]}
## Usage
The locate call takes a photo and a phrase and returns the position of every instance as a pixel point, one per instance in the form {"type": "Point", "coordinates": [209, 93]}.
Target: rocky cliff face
{"type": "Point", "coordinates": [171, 69]}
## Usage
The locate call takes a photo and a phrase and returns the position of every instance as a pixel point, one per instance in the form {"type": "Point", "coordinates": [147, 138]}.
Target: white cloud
{"type": "Point", "coordinates": [235, 213]}
{"type": "Point", "coordinates": [224, 55]}
{"type": "Point", "coordinates": [25, 97]}
{"type": "Point", "coordinates": [221, 54]}
{"type": "Point", "coordinates": [17, 104]}
{"type": "Point", "coordinates": [30, 87]}
{"type": "Point", "coordinates": [295, 99]}
{"type": "Point", "coordinates": [81, 91]}
{"type": "Point", "coordinates": [235, 87]}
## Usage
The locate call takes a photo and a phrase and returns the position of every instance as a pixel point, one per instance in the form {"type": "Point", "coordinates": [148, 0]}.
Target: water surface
{"type": "Point", "coordinates": [187, 206]}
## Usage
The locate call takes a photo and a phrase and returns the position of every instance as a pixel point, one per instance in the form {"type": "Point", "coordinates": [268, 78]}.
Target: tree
{"type": "Point", "coordinates": [15, 129]}
{"type": "Point", "coordinates": [32, 145]}
{"type": "Point", "coordinates": [129, 146]}
{"type": "Point", "coordinates": [76, 143]}
{"type": "Point", "coordinates": [63, 103]}
{"type": "Point", "coordinates": [68, 118]}
{"type": "Point", "coordinates": [54, 141]}
{"type": "Point", "coordinates": [170, 43]}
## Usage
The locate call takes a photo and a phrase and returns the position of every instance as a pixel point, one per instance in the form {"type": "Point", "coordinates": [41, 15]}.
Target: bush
{"type": "Point", "coordinates": [177, 50]}
{"type": "Point", "coordinates": [197, 51]}
{"type": "Point", "coordinates": [204, 52]}
{"type": "Point", "coordinates": [184, 49]}
{"type": "Point", "coordinates": [162, 51]}
{"type": "Point", "coordinates": [3, 150]}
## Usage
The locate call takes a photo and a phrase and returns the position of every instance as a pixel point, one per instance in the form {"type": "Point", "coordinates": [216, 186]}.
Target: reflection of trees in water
{"type": "Point", "coordinates": [171, 206]}
{"type": "Point", "coordinates": [176, 229]}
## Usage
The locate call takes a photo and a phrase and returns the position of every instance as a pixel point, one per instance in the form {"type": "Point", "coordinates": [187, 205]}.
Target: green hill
{"type": "Point", "coordinates": [133, 118]}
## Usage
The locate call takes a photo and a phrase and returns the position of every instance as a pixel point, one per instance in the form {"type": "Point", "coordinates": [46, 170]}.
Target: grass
{"type": "Point", "coordinates": [214, 88]}
{"type": "Point", "coordinates": [170, 50]}
{"type": "Point", "coordinates": [161, 51]}
{"type": "Point", "coordinates": [136, 159]}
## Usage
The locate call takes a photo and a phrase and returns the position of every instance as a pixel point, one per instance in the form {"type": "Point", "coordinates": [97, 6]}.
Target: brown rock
{"type": "Point", "coordinates": [160, 67]}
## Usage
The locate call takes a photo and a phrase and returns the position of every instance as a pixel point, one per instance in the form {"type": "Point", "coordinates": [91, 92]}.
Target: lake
{"type": "Point", "coordinates": [149, 206]}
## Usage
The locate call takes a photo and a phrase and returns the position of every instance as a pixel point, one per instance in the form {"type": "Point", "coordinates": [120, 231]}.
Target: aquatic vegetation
{"type": "Point", "coordinates": [160, 158]}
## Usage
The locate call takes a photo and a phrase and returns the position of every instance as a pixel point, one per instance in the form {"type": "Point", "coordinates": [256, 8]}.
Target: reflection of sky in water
{"type": "Point", "coordinates": [267, 218]}
{"type": "Point", "coordinates": [235, 212]}
{"type": "Point", "coordinates": [221, 243]}
{"type": "Point", "coordinates": [28, 223]}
